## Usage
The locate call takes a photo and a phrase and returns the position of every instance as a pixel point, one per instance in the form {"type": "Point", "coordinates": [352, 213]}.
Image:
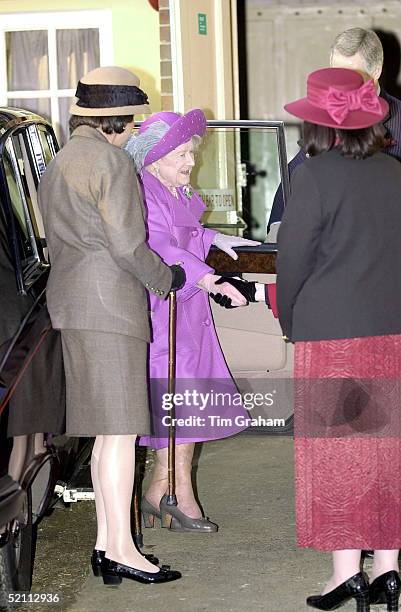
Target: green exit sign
{"type": "Point", "coordinates": [202, 25]}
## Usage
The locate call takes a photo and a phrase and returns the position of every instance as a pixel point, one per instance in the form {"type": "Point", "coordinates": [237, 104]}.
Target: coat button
{"type": "Point", "coordinates": [207, 322]}
{"type": "Point", "coordinates": [194, 232]}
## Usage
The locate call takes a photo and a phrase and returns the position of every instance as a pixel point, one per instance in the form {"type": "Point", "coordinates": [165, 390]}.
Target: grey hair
{"type": "Point", "coordinates": [196, 141]}
{"type": "Point", "coordinates": [365, 42]}
{"type": "Point", "coordinates": [138, 146]}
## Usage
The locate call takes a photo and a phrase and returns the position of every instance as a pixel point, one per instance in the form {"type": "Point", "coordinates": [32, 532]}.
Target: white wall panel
{"type": "Point", "coordinates": [390, 20]}
{"type": "Point", "coordinates": [286, 42]}
{"type": "Point", "coordinates": [261, 69]}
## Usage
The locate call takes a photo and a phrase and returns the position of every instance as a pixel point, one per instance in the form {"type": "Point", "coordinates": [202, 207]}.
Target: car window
{"type": "Point", "coordinates": [13, 165]}
{"type": "Point", "coordinates": [26, 151]}
{"type": "Point", "coordinates": [46, 141]}
{"type": "Point", "coordinates": [237, 174]}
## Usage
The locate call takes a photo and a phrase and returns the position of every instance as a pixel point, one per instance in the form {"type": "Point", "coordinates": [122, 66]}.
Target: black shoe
{"type": "Point", "coordinates": [386, 589]}
{"type": "Point", "coordinates": [114, 572]}
{"type": "Point", "coordinates": [356, 587]}
{"type": "Point", "coordinates": [98, 556]}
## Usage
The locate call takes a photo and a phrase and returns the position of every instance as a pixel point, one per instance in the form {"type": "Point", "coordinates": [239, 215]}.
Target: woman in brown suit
{"type": "Point", "coordinates": [96, 296]}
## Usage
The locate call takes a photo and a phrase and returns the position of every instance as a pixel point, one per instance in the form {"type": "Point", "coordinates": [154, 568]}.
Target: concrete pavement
{"type": "Point", "coordinates": [252, 563]}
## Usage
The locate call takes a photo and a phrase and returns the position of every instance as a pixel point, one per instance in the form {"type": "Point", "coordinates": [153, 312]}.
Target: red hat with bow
{"type": "Point", "coordinates": [339, 98]}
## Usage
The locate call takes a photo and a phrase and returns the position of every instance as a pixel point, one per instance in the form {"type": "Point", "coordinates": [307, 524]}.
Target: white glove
{"type": "Point", "coordinates": [260, 292]}
{"type": "Point", "coordinates": [208, 284]}
{"type": "Point", "coordinates": [224, 243]}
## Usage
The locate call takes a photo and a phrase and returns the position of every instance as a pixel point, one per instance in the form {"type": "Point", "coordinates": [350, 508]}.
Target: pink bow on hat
{"type": "Point", "coordinates": [338, 97]}
{"type": "Point", "coordinates": [339, 103]}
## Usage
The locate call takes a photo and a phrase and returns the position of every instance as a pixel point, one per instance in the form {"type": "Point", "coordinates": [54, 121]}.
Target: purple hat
{"type": "Point", "coordinates": [339, 98]}
{"type": "Point", "coordinates": [182, 128]}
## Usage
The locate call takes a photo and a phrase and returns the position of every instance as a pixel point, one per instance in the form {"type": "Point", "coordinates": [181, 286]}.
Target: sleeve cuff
{"type": "Point", "coordinates": [271, 298]}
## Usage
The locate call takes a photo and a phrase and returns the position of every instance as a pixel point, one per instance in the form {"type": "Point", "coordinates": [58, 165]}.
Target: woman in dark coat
{"type": "Point", "coordinates": [342, 229]}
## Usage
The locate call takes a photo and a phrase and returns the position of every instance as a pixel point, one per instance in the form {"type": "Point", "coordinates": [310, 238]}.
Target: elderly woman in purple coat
{"type": "Point", "coordinates": [163, 153]}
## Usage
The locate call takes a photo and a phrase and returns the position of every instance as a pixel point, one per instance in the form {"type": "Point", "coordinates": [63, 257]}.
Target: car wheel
{"type": "Point", "coordinates": [16, 556]}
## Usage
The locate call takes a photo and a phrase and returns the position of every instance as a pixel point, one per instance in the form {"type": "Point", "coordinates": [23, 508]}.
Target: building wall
{"type": "Point", "coordinates": [286, 42]}
{"type": "Point", "coordinates": [166, 65]}
{"type": "Point", "coordinates": [135, 34]}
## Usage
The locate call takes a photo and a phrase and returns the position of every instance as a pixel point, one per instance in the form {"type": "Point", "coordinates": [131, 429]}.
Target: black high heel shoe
{"type": "Point", "coordinates": [356, 587]}
{"type": "Point", "coordinates": [97, 557]}
{"type": "Point", "coordinates": [113, 572]}
{"type": "Point", "coordinates": [386, 589]}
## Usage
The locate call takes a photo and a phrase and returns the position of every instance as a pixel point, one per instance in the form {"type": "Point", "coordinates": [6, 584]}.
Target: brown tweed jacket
{"type": "Point", "coordinates": [94, 223]}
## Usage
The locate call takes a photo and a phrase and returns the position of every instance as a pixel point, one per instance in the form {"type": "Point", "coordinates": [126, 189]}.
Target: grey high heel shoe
{"type": "Point", "coordinates": [149, 512]}
{"type": "Point", "coordinates": [176, 520]}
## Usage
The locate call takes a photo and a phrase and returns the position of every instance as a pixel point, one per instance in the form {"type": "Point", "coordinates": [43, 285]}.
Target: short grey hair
{"type": "Point", "coordinates": [365, 42]}
{"type": "Point", "coordinates": [138, 146]}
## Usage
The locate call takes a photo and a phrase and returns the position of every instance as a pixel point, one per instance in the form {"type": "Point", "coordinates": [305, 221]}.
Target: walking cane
{"type": "Point", "coordinates": [138, 536]}
{"type": "Point", "coordinates": [171, 497]}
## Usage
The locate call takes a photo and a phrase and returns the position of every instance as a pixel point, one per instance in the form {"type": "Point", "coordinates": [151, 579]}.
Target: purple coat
{"type": "Point", "coordinates": [175, 233]}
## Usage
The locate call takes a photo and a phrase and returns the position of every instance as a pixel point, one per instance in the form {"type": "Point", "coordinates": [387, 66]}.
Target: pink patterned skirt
{"type": "Point", "coordinates": [348, 443]}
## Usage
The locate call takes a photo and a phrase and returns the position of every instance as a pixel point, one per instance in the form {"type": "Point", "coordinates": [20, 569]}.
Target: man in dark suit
{"type": "Point", "coordinates": [360, 50]}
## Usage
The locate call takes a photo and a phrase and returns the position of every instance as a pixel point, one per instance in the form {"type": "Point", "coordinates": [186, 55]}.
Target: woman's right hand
{"type": "Point", "coordinates": [208, 283]}
{"type": "Point", "coordinates": [178, 277]}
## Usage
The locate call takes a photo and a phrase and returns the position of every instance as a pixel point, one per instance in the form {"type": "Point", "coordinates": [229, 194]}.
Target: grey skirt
{"type": "Point", "coordinates": [106, 383]}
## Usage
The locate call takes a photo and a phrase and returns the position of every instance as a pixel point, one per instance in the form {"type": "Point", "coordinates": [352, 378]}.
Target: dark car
{"type": "Point", "coordinates": [32, 391]}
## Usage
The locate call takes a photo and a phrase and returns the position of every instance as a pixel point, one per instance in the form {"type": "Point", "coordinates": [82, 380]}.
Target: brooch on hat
{"type": "Point", "coordinates": [188, 191]}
